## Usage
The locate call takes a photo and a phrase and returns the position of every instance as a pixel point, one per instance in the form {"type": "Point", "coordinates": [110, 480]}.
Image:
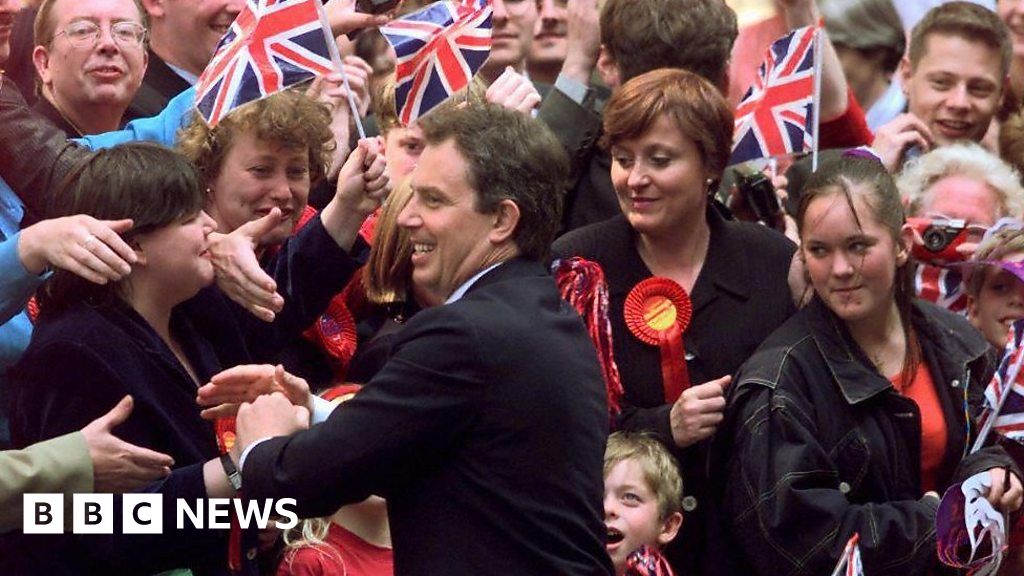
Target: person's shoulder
{"type": "Point", "coordinates": [80, 331]}
{"type": "Point", "coordinates": [594, 240]}
{"type": "Point", "coordinates": [786, 347]}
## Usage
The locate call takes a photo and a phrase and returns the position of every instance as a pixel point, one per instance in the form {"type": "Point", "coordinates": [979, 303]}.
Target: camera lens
{"type": "Point", "coordinates": [935, 239]}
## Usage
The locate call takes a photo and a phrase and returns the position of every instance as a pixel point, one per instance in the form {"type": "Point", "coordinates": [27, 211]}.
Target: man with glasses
{"type": "Point", "coordinates": [90, 57]}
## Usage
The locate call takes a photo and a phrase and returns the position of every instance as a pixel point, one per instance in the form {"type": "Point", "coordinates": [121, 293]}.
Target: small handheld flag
{"type": "Point", "coordinates": [778, 114]}
{"type": "Point", "coordinates": [439, 50]}
{"type": "Point", "coordinates": [271, 45]}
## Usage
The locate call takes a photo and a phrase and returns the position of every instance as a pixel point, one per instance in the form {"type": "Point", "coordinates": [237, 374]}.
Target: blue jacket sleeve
{"type": "Point", "coordinates": [16, 283]}
{"type": "Point", "coordinates": [162, 128]}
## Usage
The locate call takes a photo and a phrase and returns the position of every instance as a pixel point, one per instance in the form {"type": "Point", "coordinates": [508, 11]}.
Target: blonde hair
{"type": "Point", "coordinates": [309, 533]}
{"type": "Point", "coordinates": [388, 272]}
{"type": "Point", "coordinates": [961, 159]}
{"type": "Point", "coordinates": [660, 470]}
{"type": "Point", "coordinates": [999, 245]}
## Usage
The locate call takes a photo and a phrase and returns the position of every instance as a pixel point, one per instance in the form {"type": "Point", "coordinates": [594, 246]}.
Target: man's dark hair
{"type": "Point", "coordinates": [152, 185]}
{"type": "Point", "coordinates": [695, 35]}
{"type": "Point", "coordinates": [510, 157]}
{"type": "Point", "coordinates": [965, 20]}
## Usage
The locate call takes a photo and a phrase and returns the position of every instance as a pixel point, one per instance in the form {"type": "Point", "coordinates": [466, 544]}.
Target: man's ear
{"type": "Point", "coordinates": [906, 72]}
{"type": "Point", "coordinates": [155, 8]}
{"type": "Point", "coordinates": [506, 220]}
{"type": "Point", "coordinates": [41, 60]}
{"type": "Point", "coordinates": [669, 528]}
{"type": "Point", "coordinates": [608, 69]}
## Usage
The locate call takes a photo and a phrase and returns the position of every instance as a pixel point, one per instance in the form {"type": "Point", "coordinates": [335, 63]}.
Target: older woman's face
{"type": "Point", "coordinates": [659, 178]}
{"type": "Point", "coordinates": [254, 178]}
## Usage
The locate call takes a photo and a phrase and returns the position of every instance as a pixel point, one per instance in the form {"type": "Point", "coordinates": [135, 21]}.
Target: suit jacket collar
{"type": "Point", "coordinates": [724, 269]}
{"type": "Point", "coordinates": [513, 268]}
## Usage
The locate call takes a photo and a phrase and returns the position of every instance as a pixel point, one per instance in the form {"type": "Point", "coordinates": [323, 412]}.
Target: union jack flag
{"type": "Point", "coordinates": [777, 114]}
{"type": "Point", "coordinates": [849, 563]}
{"type": "Point", "coordinates": [271, 45]}
{"type": "Point", "coordinates": [439, 50]}
{"type": "Point", "coordinates": [942, 286]}
{"type": "Point", "coordinates": [1004, 396]}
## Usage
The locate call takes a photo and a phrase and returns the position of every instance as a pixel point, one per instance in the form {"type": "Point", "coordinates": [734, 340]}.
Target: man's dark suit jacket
{"type": "Point", "coordinates": [485, 431]}
{"type": "Point", "coordinates": [159, 85]}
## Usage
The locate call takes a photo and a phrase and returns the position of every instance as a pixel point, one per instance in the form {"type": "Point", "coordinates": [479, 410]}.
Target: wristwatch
{"type": "Point", "coordinates": [234, 476]}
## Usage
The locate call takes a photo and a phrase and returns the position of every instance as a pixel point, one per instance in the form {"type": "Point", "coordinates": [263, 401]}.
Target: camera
{"type": "Point", "coordinates": [759, 193]}
{"type": "Point", "coordinates": [941, 239]}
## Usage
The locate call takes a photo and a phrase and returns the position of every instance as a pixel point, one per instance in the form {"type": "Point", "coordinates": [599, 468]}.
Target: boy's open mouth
{"type": "Point", "coordinates": [614, 536]}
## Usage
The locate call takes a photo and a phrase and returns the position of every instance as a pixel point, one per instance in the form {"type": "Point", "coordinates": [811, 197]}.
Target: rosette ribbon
{"type": "Point", "coordinates": [658, 312]}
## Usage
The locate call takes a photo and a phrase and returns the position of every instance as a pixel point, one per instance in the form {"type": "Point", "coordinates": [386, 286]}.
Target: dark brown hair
{"type": "Point", "coordinates": [695, 35]}
{"type": "Point", "coordinates": [153, 185]}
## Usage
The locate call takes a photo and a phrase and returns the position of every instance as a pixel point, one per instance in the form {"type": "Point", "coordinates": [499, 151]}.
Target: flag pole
{"type": "Point", "coordinates": [844, 560]}
{"type": "Point", "coordinates": [816, 97]}
{"type": "Point", "coordinates": [332, 46]}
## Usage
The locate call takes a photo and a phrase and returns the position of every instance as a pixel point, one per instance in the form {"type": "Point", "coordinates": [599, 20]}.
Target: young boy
{"type": "Point", "coordinates": [642, 497]}
{"type": "Point", "coordinates": [995, 288]}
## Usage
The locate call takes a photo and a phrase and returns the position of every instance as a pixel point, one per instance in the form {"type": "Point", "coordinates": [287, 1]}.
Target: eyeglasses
{"type": "Point", "coordinates": [84, 34]}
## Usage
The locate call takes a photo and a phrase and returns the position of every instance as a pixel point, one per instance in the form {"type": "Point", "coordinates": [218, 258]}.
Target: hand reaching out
{"type": "Point", "coordinates": [239, 274]}
{"type": "Point", "coordinates": [117, 465]}
{"type": "Point", "coordinates": [246, 382]}
{"type": "Point", "coordinates": [82, 245]}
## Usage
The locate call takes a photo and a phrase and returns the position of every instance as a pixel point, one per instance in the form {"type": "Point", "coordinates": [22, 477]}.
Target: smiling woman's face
{"type": "Point", "coordinates": [255, 177]}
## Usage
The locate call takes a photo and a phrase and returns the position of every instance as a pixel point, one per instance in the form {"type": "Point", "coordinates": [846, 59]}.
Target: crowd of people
{"type": "Point", "coordinates": [539, 330]}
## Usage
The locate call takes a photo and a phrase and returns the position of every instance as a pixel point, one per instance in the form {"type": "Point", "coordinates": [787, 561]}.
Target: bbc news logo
{"type": "Point", "coordinates": [143, 513]}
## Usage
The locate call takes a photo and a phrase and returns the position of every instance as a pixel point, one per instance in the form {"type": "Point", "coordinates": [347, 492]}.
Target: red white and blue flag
{"type": "Point", "coordinates": [849, 563]}
{"type": "Point", "coordinates": [1004, 396]}
{"type": "Point", "coordinates": [439, 49]}
{"type": "Point", "coordinates": [941, 286]}
{"type": "Point", "coordinates": [777, 114]}
{"type": "Point", "coordinates": [271, 45]}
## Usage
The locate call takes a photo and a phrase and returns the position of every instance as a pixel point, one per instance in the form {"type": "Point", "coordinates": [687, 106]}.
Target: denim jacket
{"type": "Point", "coordinates": [817, 445]}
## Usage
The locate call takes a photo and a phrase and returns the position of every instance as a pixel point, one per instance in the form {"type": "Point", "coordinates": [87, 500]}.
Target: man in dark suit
{"type": "Point", "coordinates": [485, 430]}
{"type": "Point", "coordinates": [182, 38]}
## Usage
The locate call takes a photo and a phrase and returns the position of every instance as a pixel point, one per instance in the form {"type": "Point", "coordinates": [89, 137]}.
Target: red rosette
{"type": "Point", "coordinates": [653, 305]}
{"type": "Point", "coordinates": [657, 312]}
